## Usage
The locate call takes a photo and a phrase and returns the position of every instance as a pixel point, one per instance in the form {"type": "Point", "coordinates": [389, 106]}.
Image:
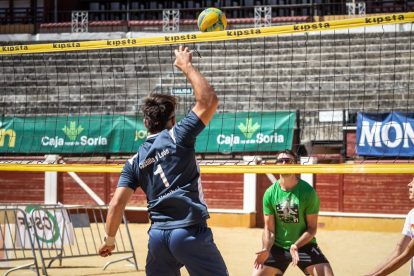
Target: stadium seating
{"type": "Point", "coordinates": [301, 72]}
{"type": "Point", "coordinates": [99, 26]}
{"type": "Point", "coordinates": [156, 25]}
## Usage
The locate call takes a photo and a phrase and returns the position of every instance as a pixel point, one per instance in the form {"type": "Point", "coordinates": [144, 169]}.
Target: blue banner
{"type": "Point", "coordinates": [385, 134]}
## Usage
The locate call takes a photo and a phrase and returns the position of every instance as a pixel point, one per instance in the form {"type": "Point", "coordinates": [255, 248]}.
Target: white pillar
{"type": "Point", "coordinates": [249, 187]}
{"type": "Point", "coordinates": [308, 177]}
{"type": "Point", "coordinates": [51, 181]}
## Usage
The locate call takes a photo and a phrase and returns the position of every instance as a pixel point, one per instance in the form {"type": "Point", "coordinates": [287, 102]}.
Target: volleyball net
{"type": "Point", "coordinates": [338, 91]}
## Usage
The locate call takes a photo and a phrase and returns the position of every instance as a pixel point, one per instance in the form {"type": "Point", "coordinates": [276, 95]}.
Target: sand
{"type": "Point", "coordinates": [349, 252]}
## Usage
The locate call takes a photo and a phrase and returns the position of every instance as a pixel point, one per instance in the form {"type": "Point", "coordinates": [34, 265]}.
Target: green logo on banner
{"type": "Point", "coordinates": [244, 132]}
{"type": "Point", "coordinates": [72, 132]}
{"type": "Point", "coordinates": [248, 130]}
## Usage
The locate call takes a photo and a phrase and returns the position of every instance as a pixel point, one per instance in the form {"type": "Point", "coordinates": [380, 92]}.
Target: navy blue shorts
{"type": "Point", "coordinates": [192, 247]}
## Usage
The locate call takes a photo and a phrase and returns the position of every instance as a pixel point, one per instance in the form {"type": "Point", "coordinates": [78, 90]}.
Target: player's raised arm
{"type": "Point", "coordinates": [206, 98]}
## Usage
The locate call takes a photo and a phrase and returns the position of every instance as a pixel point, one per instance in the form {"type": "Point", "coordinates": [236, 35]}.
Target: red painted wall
{"type": "Point", "coordinates": [22, 187]}
{"type": "Point", "coordinates": [138, 199]}
{"type": "Point", "coordinates": [374, 193]}
{"type": "Point", "coordinates": [262, 183]}
{"type": "Point", "coordinates": [351, 143]}
{"type": "Point", "coordinates": [377, 193]}
{"type": "Point", "coordinates": [328, 188]}
{"type": "Point", "coordinates": [220, 191]}
{"type": "Point", "coordinates": [223, 191]}
{"type": "Point", "coordinates": [354, 193]}
{"type": "Point", "coordinates": [73, 194]}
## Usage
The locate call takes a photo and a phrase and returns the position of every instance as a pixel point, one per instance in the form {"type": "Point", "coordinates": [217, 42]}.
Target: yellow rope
{"type": "Point", "coordinates": [231, 169]}
{"type": "Point", "coordinates": [210, 36]}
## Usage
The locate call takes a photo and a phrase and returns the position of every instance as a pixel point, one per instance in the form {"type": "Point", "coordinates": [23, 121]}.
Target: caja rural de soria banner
{"type": "Point", "coordinates": [226, 133]}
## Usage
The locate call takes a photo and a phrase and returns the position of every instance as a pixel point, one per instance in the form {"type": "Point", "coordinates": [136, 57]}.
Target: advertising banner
{"type": "Point", "coordinates": [52, 227]}
{"type": "Point", "coordinates": [226, 133]}
{"type": "Point", "coordinates": [247, 132]}
{"type": "Point", "coordinates": [71, 134]}
{"type": "Point", "coordinates": [385, 134]}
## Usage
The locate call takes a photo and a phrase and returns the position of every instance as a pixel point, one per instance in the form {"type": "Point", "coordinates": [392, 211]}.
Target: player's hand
{"type": "Point", "coordinates": [295, 254]}
{"type": "Point", "coordinates": [105, 250]}
{"type": "Point", "coordinates": [261, 257]}
{"type": "Point", "coordinates": [183, 58]}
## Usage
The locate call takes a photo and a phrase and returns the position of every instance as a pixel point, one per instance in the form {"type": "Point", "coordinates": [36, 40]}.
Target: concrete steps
{"type": "Point", "coordinates": [370, 72]}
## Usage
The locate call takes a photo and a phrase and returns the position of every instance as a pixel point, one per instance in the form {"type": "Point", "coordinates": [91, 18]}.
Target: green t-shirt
{"type": "Point", "coordinates": [290, 209]}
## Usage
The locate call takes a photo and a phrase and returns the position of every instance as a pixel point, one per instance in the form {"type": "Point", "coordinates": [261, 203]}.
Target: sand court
{"type": "Point", "coordinates": [349, 252]}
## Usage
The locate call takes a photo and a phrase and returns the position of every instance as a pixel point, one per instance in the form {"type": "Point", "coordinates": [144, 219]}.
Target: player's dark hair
{"type": "Point", "coordinates": [157, 108]}
{"type": "Point", "coordinates": [290, 152]}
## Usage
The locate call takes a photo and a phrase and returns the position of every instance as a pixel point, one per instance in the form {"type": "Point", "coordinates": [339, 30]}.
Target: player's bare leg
{"type": "Point", "coordinates": [267, 271]}
{"type": "Point", "coordinates": [320, 270]}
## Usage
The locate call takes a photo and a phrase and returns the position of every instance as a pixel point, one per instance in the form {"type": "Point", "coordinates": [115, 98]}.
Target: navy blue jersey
{"type": "Point", "coordinates": [166, 169]}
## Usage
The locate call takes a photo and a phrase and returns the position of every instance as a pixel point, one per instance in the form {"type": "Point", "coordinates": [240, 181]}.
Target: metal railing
{"type": "Point", "coordinates": [77, 235]}
{"type": "Point", "coordinates": [13, 239]}
{"type": "Point", "coordinates": [57, 233]}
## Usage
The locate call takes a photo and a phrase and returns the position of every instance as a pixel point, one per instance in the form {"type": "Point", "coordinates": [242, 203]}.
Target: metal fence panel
{"type": "Point", "coordinates": [73, 232]}
{"type": "Point", "coordinates": [16, 243]}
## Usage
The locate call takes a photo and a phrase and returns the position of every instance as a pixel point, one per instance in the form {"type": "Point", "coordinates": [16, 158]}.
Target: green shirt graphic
{"type": "Point", "coordinates": [290, 209]}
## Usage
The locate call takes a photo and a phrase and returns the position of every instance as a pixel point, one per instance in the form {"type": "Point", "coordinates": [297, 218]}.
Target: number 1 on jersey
{"type": "Point", "coordinates": [162, 175]}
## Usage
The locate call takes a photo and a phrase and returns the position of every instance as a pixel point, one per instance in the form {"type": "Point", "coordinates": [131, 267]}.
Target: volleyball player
{"type": "Point", "coordinates": [166, 169]}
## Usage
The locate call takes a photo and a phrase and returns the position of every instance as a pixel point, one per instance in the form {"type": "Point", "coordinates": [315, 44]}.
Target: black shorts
{"type": "Point", "coordinates": [309, 254]}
